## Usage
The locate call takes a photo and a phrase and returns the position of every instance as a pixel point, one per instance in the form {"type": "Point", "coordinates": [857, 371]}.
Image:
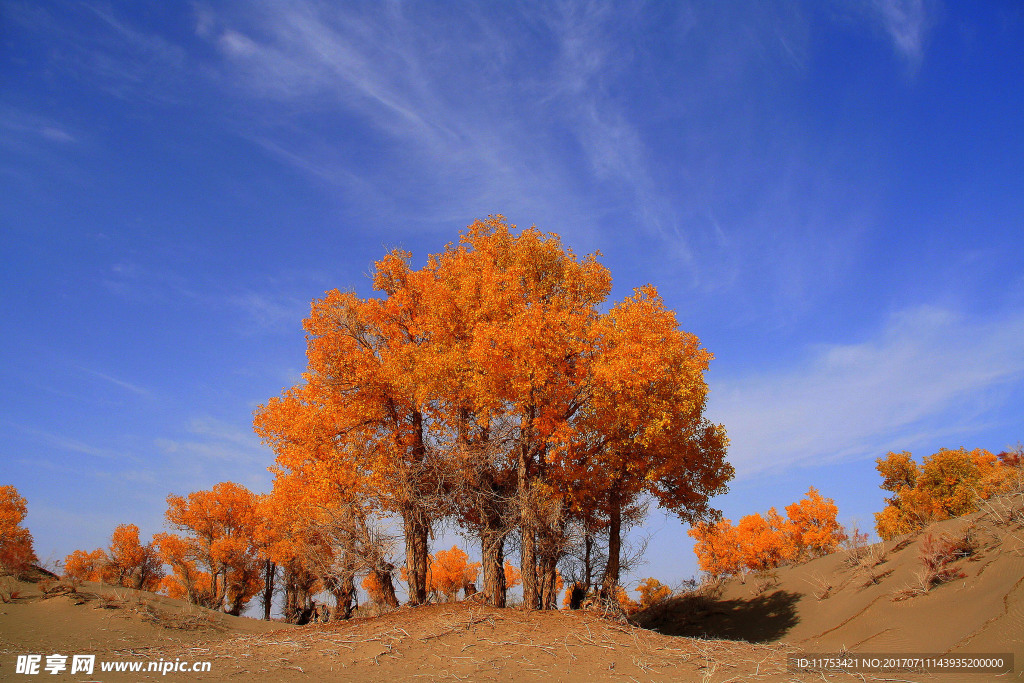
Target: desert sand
{"type": "Point", "coordinates": [743, 629]}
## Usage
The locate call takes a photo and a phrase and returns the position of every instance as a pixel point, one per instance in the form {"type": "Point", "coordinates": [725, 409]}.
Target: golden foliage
{"type": "Point", "coordinates": [450, 571]}
{"type": "Point", "coordinates": [16, 553]}
{"type": "Point", "coordinates": [488, 380]}
{"type": "Point", "coordinates": [760, 543]}
{"type": "Point", "coordinates": [948, 483]}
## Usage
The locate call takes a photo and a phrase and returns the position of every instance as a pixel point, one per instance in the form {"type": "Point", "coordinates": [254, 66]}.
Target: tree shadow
{"type": "Point", "coordinates": [757, 619]}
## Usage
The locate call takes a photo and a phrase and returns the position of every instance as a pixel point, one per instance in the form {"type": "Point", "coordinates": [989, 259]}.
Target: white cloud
{"type": "Point", "coordinates": [128, 386]}
{"type": "Point", "coordinates": [57, 134]}
{"type": "Point", "coordinates": [906, 22]}
{"type": "Point", "coordinates": [223, 431]}
{"type": "Point", "coordinates": [930, 372]}
{"type": "Point", "coordinates": [218, 443]}
{"type": "Point", "coordinates": [18, 130]}
{"type": "Point", "coordinates": [444, 110]}
{"type": "Point", "coordinates": [271, 311]}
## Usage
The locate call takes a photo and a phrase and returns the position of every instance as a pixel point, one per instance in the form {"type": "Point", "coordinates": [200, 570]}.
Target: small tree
{"type": "Point", "coordinates": [131, 564]}
{"type": "Point", "coordinates": [220, 526]}
{"type": "Point", "coordinates": [814, 526]}
{"type": "Point", "coordinates": [16, 553]}
{"type": "Point", "coordinates": [451, 572]}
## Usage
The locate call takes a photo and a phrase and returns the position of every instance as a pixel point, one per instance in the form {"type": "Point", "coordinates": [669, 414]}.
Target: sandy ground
{"type": "Point", "coordinates": [437, 642]}
{"type": "Point", "coordinates": [741, 631]}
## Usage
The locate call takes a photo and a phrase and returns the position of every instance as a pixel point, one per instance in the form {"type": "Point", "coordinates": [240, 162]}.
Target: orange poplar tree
{"type": "Point", "coordinates": [652, 592]}
{"type": "Point", "coordinates": [131, 564]}
{"type": "Point", "coordinates": [218, 550]}
{"type": "Point", "coordinates": [82, 566]}
{"type": "Point", "coordinates": [814, 526]}
{"type": "Point", "coordinates": [643, 432]}
{"type": "Point", "coordinates": [16, 553]}
{"type": "Point", "coordinates": [762, 542]}
{"type": "Point", "coordinates": [948, 483]}
{"type": "Point", "coordinates": [487, 387]}
{"type": "Point", "coordinates": [326, 496]}
{"type": "Point", "coordinates": [125, 563]}
{"type": "Point", "coordinates": [451, 572]}
{"type": "Point", "coordinates": [718, 547]}
{"type": "Point", "coordinates": [360, 389]}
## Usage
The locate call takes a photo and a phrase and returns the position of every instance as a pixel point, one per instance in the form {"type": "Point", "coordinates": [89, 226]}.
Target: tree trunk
{"type": "Point", "coordinates": [577, 596]}
{"type": "Point", "coordinates": [549, 593]}
{"type": "Point", "coordinates": [588, 562]}
{"type": "Point", "coordinates": [416, 522]}
{"type": "Point", "coordinates": [492, 543]}
{"type": "Point", "coordinates": [269, 574]}
{"type": "Point", "coordinates": [528, 566]}
{"type": "Point", "coordinates": [528, 528]}
{"type": "Point", "coordinates": [387, 589]}
{"type": "Point", "coordinates": [220, 588]}
{"type": "Point", "coordinates": [416, 530]}
{"type": "Point", "coordinates": [344, 595]}
{"type": "Point", "coordinates": [611, 570]}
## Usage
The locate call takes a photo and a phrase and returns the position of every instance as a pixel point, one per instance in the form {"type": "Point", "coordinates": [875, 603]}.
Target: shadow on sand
{"type": "Point", "coordinates": [756, 619]}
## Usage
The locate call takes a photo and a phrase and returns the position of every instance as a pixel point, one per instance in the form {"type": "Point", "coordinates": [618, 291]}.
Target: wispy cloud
{"type": "Point", "coordinates": [427, 89]}
{"type": "Point", "coordinates": [591, 57]}
{"type": "Point", "coordinates": [67, 444]}
{"type": "Point", "coordinates": [148, 44]}
{"type": "Point", "coordinates": [268, 311]}
{"type": "Point", "coordinates": [861, 399]}
{"type": "Point", "coordinates": [271, 306]}
{"type": "Point", "coordinates": [218, 442]}
{"type": "Point", "coordinates": [21, 130]}
{"type": "Point", "coordinates": [906, 22]}
{"type": "Point", "coordinates": [128, 386]}
{"type": "Point", "coordinates": [223, 431]}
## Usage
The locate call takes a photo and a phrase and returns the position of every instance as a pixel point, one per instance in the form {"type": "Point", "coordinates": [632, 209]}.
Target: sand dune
{"type": "Point", "coordinates": [873, 601]}
{"type": "Point", "coordinates": [878, 602]}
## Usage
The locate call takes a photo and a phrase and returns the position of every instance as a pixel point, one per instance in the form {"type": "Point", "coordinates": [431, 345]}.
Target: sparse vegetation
{"type": "Point", "coordinates": [937, 555]}
{"type": "Point", "coordinates": [8, 589]}
{"type": "Point", "coordinates": [821, 586]}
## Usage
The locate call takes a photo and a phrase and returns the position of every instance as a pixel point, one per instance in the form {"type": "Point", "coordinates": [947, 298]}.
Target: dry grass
{"type": "Point", "coordinates": [188, 618]}
{"type": "Point", "coordinates": [867, 560]}
{"type": "Point", "coordinates": [9, 591]}
{"type": "Point", "coordinates": [937, 555]}
{"type": "Point", "coordinates": [821, 587]}
{"type": "Point", "coordinates": [52, 587]}
{"type": "Point", "coordinates": [1004, 510]}
{"type": "Point", "coordinates": [764, 581]}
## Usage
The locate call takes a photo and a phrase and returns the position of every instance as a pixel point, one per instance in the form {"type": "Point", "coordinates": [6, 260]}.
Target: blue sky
{"type": "Point", "coordinates": [830, 194]}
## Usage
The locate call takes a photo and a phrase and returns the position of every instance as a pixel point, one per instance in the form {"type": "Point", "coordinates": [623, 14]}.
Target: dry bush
{"type": "Point", "coordinates": [764, 581]}
{"type": "Point", "coordinates": [8, 590]}
{"type": "Point", "coordinates": [821, 586]}
{"type": "Point", "coordinates": [937, 555]}
{"type": "Point", "coordinates": [867, 561]}
{"type": "Point", "coordinates": [902, 545]}
{"type": "Point", "coordinates": [854, 545]}
{"type": "Point", "coordinates": [710, 586]}
{"type": "Point", "coordinates": [191, 618]}
{"type": "Point", "coordinates": [1004, 510]}
{"type": "Point", "coordinates": [50, 587]}
{"type": "Point", "coordinates": [703, 595]}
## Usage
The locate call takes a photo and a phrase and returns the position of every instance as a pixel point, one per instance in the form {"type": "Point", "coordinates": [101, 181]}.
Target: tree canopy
{"type": "Point", "coordinates": [488, 388]}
